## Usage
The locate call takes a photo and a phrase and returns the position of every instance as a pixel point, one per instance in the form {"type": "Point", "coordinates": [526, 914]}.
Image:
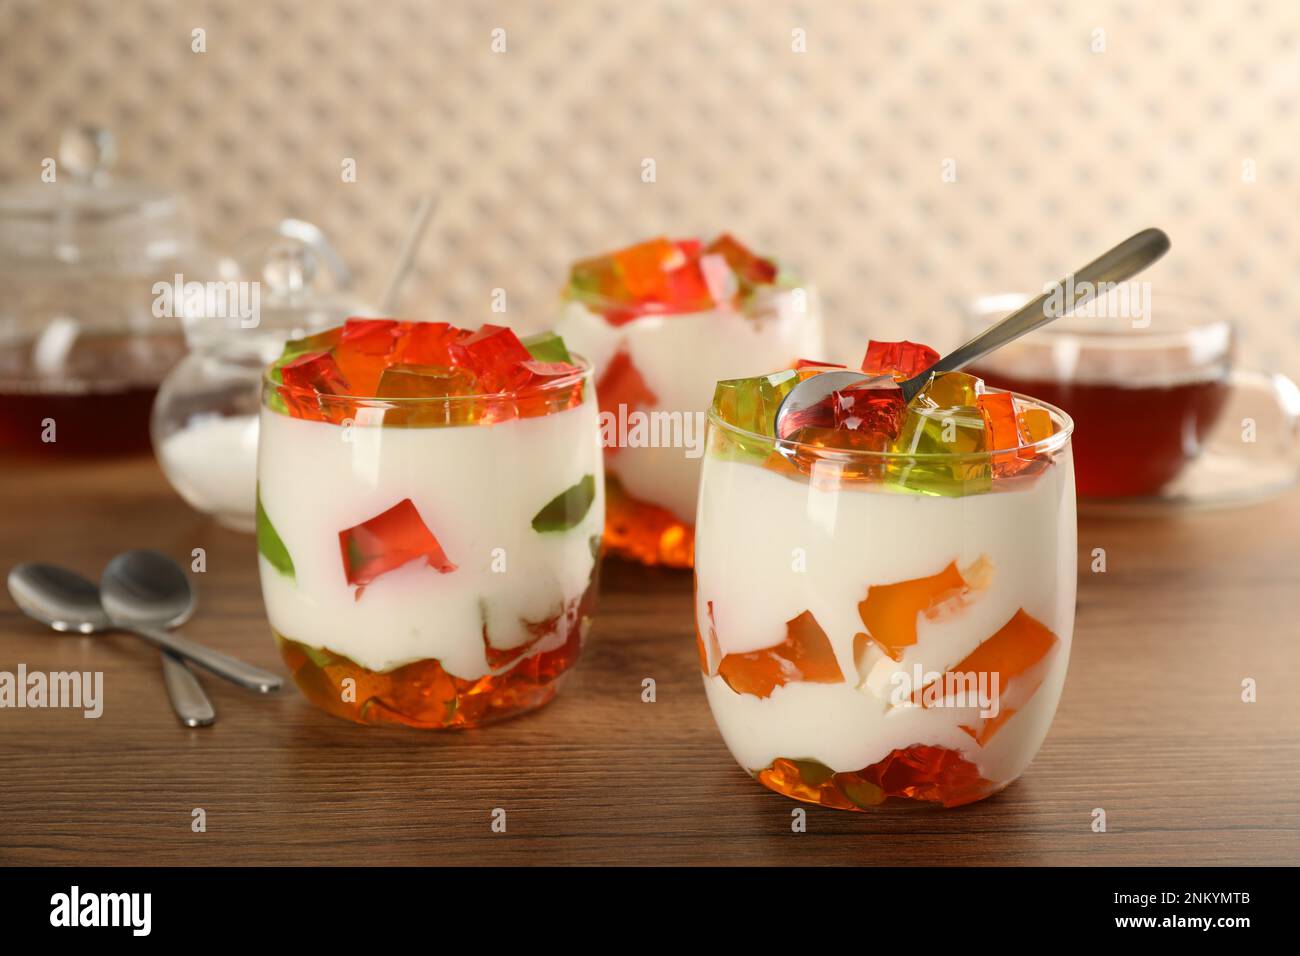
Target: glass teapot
{"type": "Point", "coordinates": [204, 422]}
{"type": "Point", "coordinates": [83, 344]}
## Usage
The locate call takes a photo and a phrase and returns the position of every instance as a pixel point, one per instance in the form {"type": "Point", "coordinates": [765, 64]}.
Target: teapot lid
{"type": "Point", "coordinates": [80, 217]}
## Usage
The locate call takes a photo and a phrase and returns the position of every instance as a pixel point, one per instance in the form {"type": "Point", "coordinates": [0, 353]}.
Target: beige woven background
{"type": "Point", "coordinates": [1070, 125]}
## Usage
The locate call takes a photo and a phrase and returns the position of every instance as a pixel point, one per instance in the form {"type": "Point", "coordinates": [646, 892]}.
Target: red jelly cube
{"type": "Point", "coordinates": [386, 542]}
{"type": "Point", "coordinates": [752, 269]}
{"type": "Point", "coordinates": [899, 359]}
{"type": "Point", "coordinates": [316, 371]}
{"type": "Point", "coordinates": [306, 379]}
{"type": "Point", "coordinates": [687, 289]}
{"type": "Point", "coordinates": [429, 343]}
{"type": "Point", "coordinates": [370, 336]}
{"type": "Point", "coordinates": [495, 354]}
{"type": "Point", "coordinates": [927, 772]}
{"type": "Point", "coordinates": [690, 248]}
{"type": "Point", "coordinates": [877, 409]}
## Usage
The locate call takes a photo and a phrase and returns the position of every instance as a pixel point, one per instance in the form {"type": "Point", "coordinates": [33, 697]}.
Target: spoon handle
{"type": "Point", "coordinates": [1120, 263]}
{"type": "Point", "coordinates": [223, 665]}
{"type": "Point", "coordinates": [187, 696]}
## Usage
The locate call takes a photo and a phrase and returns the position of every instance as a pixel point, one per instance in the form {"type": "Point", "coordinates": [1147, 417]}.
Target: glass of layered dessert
{"type": "Point", "coordinates": [885, 596]}
{"type": "Point", "coordinates": [429, 510]}
{"type": "Point", "coordinates": [661, 322]}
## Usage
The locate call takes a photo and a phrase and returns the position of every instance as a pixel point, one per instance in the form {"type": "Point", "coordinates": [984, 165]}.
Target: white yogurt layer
{"type": "Point", "coordinates": [681, 358]}
{"type": "Point", "coordinates": [769, 548]}
{"type": "Point", "coordinates": [477, 488]}
{"type": "Point", "coordinates": [213, 464]}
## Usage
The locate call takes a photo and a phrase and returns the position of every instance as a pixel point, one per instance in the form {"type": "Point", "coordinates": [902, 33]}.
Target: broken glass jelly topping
{"type": "Point", "coordinates": [953, 438]}
{"type": "Point", "coordinates": [455, 376]}
{"type": "Point", "coordinates": [664, 276]}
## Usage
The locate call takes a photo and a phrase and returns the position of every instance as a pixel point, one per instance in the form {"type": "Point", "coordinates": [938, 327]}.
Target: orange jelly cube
{"type": "Point", "coordinates": [643, 268]}
{"type": "Point", "coordinates": [1001, 431]}
{"type": "Point", "coordinates": [1011, 653]}
{"type": "Point", "coordinates": [805, 655]}
{"type": "Point", "coordinates": [889, 610]}
{"type": "Point", "coordinates": [1035, 424]}
{"type": "Point", "coordinates": [1017, 646]}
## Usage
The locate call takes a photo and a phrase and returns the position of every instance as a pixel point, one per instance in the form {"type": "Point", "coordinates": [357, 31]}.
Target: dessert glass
{"type": "Point", "coordinates": [431, 562]}
{"type": "Point", "coordinates": [880, 627]}
{"type": "Point", "coordinates": [654, 378]}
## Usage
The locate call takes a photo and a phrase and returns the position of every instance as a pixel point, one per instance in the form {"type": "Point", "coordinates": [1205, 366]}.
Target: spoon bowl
{"type": "Point", "coordinates": [146, 589]}
{"type": "Point", "coordinates": [58, 597]}
{"type": "Point", "coordinates": [148, 593]}
{"type": "Point", "coordinates": [69, 603]}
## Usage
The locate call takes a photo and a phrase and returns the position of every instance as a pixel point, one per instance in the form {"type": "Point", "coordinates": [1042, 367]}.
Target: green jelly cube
{"type": "Point", "coordinates": [547, 347]}
{"type": "Point", "coordinates": [940, 432]}
{"type": "Point", "coordinates": [750, 404]}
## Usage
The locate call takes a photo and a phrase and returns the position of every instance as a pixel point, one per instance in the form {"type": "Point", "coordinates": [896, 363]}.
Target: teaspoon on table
{"type": "Point", "coordinates": [1116, 265]}
{"type": "Point", "coordinates": [66, 601]}
{"type": "Point", "coordinates": [142, 589]}
{"type": "Point", "coordinates": [131, 583]}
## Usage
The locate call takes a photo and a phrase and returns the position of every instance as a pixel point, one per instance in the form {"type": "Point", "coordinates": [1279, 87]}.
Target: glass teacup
{"type": "Point", "coordinates": [1161, 410]}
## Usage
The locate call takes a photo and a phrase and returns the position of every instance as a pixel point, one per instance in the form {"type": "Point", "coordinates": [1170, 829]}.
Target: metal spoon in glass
{"type": "Point", "coordinates": [1120, 263]}
{"type": "Point", "coordinates": [66, 601]}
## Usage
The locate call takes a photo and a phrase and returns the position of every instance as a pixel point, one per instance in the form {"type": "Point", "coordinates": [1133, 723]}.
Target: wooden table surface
{"type": "Point", "coordinates": [1151, 727]}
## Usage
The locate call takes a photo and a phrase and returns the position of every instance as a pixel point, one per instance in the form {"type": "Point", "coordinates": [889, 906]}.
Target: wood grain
{"type": "Point", "coordinates": [1151, 726]}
